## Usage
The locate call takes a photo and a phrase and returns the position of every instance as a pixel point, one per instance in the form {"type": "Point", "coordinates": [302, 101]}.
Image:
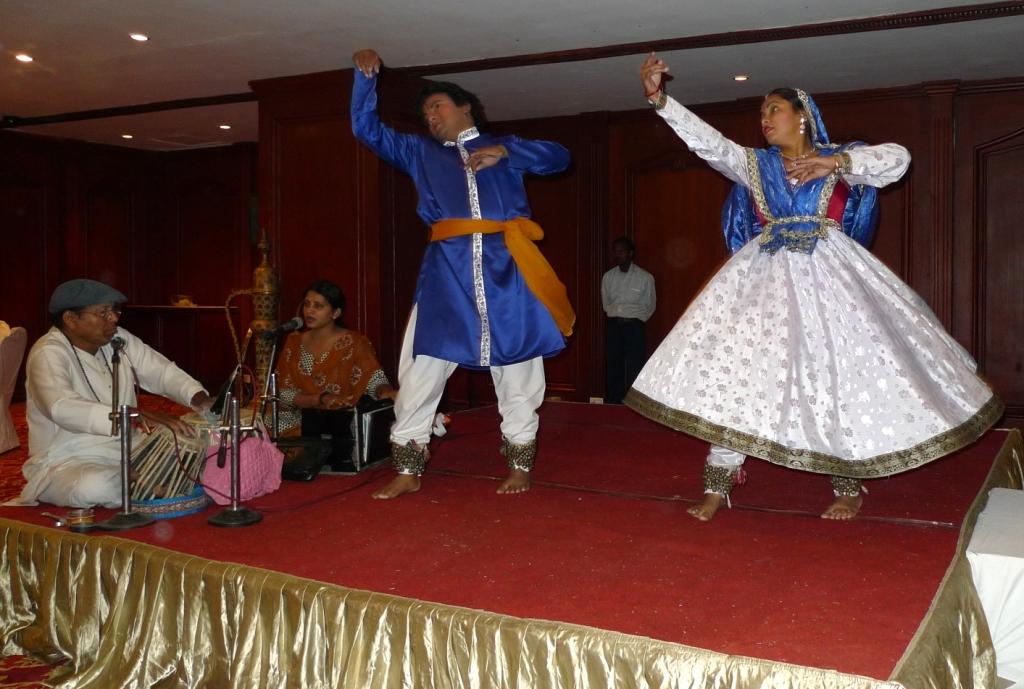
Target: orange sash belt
{"type": "Point", "coordinates": [520, 235]}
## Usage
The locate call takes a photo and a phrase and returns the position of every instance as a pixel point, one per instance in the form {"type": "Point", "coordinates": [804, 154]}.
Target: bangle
{"type": "Point", "coordinates": [843, 163]}
{"type": "Point", "coordinates": [659, 101]}
{"type": "Point", "coordinates": [661, 87]}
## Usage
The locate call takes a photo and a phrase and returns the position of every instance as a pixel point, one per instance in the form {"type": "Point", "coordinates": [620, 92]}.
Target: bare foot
{"type": "Point", "coordinates": [845, 507]}
{"type": "Point", "coordinates": [707, 508]}
{"type": "Point", "coordinates": [400, 485]}
{"type": "Point", "coordinates": [518, 481]}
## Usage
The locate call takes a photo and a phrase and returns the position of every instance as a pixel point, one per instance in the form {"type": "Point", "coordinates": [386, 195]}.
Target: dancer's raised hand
{"type": "Point", "coordinates": [651, 72]}
{"type": "Point", "coordinates": [366, 61]}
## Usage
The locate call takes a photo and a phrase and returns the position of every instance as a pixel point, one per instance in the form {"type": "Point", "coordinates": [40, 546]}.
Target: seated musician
{"type": "Point", "coordinates": [326, 366]}
{"type": "Point", "coordinates": [74, 460]}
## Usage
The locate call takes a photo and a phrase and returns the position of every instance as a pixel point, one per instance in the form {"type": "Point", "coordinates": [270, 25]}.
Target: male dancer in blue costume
{"type": "Point", "coordinates": [485, 298]}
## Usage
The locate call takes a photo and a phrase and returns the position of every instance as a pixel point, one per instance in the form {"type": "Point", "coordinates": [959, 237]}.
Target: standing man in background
{"type": "Point", "coordinates": [628, 298]}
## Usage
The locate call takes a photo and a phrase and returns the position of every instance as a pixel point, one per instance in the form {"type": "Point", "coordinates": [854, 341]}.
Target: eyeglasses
{"type": "Point", "coordinates": [107, 314]}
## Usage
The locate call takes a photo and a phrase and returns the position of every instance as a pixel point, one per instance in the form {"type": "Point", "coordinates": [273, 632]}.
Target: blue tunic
{"type": "Point", "coordinates": [473, 306]}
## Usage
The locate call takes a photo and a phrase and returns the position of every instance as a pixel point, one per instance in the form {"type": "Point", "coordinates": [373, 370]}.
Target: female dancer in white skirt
{"type": "Point", "coordinates": [804, 349]}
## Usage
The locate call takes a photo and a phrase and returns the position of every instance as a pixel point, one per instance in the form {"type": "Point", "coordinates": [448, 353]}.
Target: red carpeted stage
{"type": "Point", "coordinates": [596, 577]}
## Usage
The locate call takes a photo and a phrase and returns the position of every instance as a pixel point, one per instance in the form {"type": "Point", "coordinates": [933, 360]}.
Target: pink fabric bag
{"type": "Point", "coordinates": [259, 467]}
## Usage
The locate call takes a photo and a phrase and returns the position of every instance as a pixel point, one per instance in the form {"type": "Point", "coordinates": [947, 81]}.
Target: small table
{"type": "Point", "coordinates": [996, 554]}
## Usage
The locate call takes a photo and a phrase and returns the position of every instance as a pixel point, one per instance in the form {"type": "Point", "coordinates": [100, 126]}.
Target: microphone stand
{"type": "Point", "coordinates": [237, 514]}
{"type": "Point", "coordinates": [269, 395]}
{"type": "Point", "coordinates": [121, 421]}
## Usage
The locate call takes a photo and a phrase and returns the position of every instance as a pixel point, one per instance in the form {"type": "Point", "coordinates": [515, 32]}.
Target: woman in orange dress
{"type": "Point", "coordinates": [325, 365]}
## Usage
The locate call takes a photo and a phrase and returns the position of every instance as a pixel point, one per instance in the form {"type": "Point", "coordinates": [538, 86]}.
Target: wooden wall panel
{"type": "Point", "coordinates": [206, 269]}
{"type": "Point", "coordinates": [107, 201]}
{"type": "Point", "coordinates": [33, 183]}
{"type": "Point", "coordinates": [69, 209]}
{"type": "Point", "coordinates": [108, 231]}
{"type": "Point", "coordinates": [988, 253]}
{"type": "Point", "coordinates": [319, 239]}
{"type": "Point", "coordinates": [23, 219]}
{"type": "Point", "coordinates": [1000, 296]}
{"type": "Point", "coordinates": [23, 292]}
{"type": "Point", "coordinates": [206, 248]}
{"type": "Point", "coordinates": [675, 217]}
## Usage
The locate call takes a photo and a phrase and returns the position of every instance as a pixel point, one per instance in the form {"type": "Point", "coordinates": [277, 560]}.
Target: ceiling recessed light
{"type": "Point", "coordinates": [22, 57]}
{"type": "Point", "coordinates": [740, 77]}
{"type": "Point", "coordinates": [225, 126]}
{"type": "Point", "coordinates": [140, 37]}
{"type": "Point", "coordinates": [127, 136]}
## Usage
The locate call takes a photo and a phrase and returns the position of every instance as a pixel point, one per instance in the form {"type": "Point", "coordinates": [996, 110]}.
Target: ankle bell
{"type": "Point", "coordinates": [519, 456]}
{"type": "Point", "coordinates": [845, 487]}
{"type": "Point", "coordinates": [409, 459]}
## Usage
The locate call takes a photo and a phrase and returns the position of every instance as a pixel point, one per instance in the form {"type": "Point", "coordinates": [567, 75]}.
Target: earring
{"type": "Point", "coordinates": [803, 125]}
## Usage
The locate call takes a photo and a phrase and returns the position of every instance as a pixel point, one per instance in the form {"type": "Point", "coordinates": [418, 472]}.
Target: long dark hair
{"type": "Point", "coordinates": [459, 96]}
{"type": "Point", "coordinates": [332, 294]}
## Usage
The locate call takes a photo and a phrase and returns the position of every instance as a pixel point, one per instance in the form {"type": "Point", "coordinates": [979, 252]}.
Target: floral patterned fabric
{"type": "Point", "coordinates": [825, 362]}
{"type": "Point", "coordinates": [348, 368]}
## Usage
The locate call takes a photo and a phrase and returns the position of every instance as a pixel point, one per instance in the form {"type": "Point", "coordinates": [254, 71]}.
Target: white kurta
{"type": "Point", "coordinates": [68, 427]}
{"type": "Point", "coordinates": [629, 294]}
{"type": "Point", "coordinates": [825, 362]}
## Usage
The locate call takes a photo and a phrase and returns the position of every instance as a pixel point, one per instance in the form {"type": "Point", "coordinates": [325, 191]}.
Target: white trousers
{"type": "Point", "coordinates": [84, 484]}
{"type": "Point", "coordinates": [724, 457]}
{"type": "Point", "coordinates": [520, 389]}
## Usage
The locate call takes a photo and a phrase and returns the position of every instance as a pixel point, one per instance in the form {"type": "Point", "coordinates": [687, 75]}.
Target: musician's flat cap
{"type": "Point", "coordinates": [74, 294]}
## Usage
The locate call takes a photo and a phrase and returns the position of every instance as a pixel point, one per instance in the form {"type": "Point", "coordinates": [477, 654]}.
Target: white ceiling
{"type": "Point", "coordinates": [84, 59]}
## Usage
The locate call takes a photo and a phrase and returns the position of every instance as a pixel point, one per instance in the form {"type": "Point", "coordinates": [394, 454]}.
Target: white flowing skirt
{"type": "Point", "coordinates": [825, 362]}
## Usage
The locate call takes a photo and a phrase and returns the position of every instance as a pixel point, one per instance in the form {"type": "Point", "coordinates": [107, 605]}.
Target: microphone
{"type": "Point", "coordinates": [293, 324]}
{"type": "Point", "coordinates": [117, 346]}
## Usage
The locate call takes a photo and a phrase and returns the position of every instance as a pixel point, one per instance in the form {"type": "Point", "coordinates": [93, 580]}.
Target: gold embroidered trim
{"type": "Point", "coordinates": [819, 462]}
{"type": "Point", "coordinates": [756, 190]}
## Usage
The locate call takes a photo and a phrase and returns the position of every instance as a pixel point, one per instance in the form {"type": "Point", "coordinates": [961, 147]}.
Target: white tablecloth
{"type": "Point", "coordinates": [996, 554]}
